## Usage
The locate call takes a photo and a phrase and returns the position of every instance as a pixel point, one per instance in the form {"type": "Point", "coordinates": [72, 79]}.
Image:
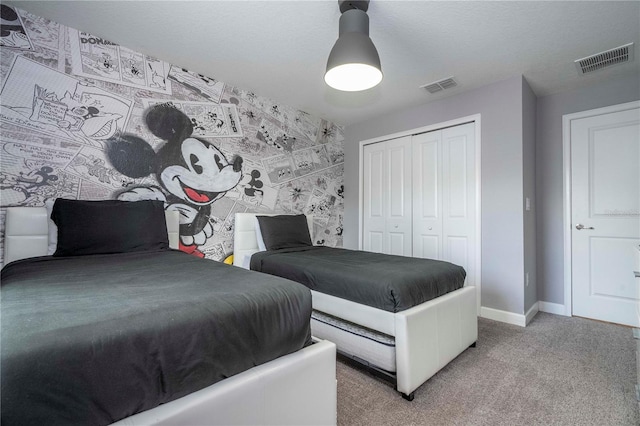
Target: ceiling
{"type": "Point", "coordinates": [279, 49]}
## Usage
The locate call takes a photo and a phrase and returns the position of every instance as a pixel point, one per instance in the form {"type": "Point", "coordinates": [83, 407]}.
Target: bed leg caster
{"type": "Point", "coordinates": [409, 397]}
{"type": "Point", "coordinates": [473, 345]}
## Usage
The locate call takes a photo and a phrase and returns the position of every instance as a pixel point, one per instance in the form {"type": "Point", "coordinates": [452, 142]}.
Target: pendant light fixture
{"type": "Point", "coordinates": [353, 63]}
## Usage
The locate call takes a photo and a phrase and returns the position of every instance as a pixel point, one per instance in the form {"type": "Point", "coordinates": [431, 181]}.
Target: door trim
{"type": "Point", "coordinates": [475, 118]}
{"type": "Point", "coordinates": [566, 184]}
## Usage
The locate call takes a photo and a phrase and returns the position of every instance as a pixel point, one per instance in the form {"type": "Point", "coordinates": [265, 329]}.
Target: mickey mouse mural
{"type": "Point", "coordinates": [192, 173]}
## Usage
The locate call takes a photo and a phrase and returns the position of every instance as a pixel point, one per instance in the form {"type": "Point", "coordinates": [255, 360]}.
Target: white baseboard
{"type": "Point", "coordinates": [552, 308]}
{"type": "Point", "coordinates": [519, 319]}
{"type": "Point", "coordinates": [503, 316]}
{"type": "Point", "coordinates": [533, 310]}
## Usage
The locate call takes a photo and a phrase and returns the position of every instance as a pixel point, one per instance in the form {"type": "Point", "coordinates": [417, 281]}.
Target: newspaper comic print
{"type": "Point", "coordinates": [254, 190]}
{"type": "Point", "coordinates": [208, 119]}
{"type": "Point", "coordinates": [198, 83]}
{"type": "Point", "coordinates": [40, 99]}
{"type": "Point", "coordinates": [320, 205]}
{"type": "Point", "coordinates": [12, 31]}
{"type": "Point", "coordinates": [41, 31]}
{"type": "Point", "coordinates": [291, 118]}
{"type": "Point", "coordinates": [30, 174]}
{"type": "Point", "coordinates": [97, 58]}
{"type": "Point", "coordinates": [310, 160]}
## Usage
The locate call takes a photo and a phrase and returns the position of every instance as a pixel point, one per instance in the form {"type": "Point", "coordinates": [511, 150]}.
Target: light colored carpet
{"type": "Point", "coordinates": [556, 371]}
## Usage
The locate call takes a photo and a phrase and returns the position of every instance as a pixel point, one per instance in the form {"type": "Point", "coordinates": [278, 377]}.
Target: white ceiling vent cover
{"type": "Point", "coordinates": [605, 59]}
{"type": "Point", "coordinates": [439, 85]}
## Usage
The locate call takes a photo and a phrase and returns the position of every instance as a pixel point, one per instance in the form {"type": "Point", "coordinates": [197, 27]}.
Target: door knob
{"type": "Point", "coordinates": [580, 226]}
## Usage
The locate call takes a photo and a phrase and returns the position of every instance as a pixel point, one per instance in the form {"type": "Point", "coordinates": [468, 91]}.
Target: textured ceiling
{"type": "Point", "coordinates": [279, 49]}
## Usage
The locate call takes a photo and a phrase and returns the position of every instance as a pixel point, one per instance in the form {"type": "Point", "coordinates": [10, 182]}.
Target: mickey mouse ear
{"type": "Point", "coordinates": [131, 156]}
{"type": "Point", "coordinates": [168, 123]}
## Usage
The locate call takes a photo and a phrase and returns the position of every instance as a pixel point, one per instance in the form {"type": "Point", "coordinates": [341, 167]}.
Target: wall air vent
{"type": "Point", "coordinates": [605, 59]}
{"type": "Point", "coordinates": [439, 85]}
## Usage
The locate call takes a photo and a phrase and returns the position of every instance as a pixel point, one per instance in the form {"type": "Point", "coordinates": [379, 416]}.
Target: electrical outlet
{"type": "Point", "coordinates": [526, 279]}
{"type": "Point", "coordinates": [527, 204]}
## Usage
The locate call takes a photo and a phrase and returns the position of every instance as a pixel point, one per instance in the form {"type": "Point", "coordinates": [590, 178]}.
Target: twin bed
{"type": "Point", "coordinates": [150, 335]}
{"type": "Point", "coordinates": [406, 318]}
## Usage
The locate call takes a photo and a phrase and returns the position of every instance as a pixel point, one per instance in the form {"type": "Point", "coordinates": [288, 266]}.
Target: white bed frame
{"type": "Point", "coordinates": [26, 232]}
{"type": "Point", "coordinates": [296, 389]}
{"type": "Point", "coordinates": [427, 336]}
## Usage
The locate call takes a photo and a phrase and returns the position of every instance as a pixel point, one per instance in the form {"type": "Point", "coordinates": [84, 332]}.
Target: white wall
{"type": "Point", "coordinates": [549, 225]}
{"type": "Point", "coordinates": [500, 106]}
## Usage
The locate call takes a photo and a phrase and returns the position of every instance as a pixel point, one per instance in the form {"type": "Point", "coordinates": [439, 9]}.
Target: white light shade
{"type": "Point", "coordinates": [353, 77]}
{"type": "Point", "coordinates": [353, 63]}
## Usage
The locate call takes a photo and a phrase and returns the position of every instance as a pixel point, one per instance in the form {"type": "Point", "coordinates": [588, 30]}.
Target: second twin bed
{"type": "Point", "coordinates": [404, 317]}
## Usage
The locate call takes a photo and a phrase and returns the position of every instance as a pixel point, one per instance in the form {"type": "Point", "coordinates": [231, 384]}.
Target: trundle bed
{"type": "Point", "coordinates": [387, 329]}
{"type": "Point", "coordinates": [152, 336]}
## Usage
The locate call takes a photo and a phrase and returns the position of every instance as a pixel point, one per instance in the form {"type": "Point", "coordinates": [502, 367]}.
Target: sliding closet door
{"type": "Point", "coordinates": [387, 197]}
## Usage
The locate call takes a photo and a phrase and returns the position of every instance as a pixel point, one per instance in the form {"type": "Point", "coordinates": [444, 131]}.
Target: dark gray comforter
{"type": "Point", "coordinates": [93, 339]}
{"type": "Point", "coordinates": [391, 283]}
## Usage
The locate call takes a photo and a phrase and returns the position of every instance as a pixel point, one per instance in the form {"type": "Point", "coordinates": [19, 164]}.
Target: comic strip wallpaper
{"type": "Point", "coordinates": [84, 118]}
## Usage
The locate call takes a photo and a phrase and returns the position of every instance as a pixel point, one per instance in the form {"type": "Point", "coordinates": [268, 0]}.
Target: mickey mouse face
{"type": "Point", "coordinates": [202, 175]}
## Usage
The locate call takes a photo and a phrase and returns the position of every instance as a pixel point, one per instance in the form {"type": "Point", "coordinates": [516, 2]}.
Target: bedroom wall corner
{"type": "Point", "coordinates": [549, 171]}
{"type": "Point", "coordinates": [500, 107]}
{"type": "Point", "coordinates": [529, 194]}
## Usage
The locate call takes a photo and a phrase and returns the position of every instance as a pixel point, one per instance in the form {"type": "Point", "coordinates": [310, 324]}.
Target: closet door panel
{"type": "Point", "coordinates": [427, 195]}
{"type": "Point", "coordinates": [458, 206]}
{"type": "Point", "coordinates": [397, 243]}
{"type": "Point", "coordinates": [387, 197]}
{"type": "Point", "coordinates": [374, 198]}
{"type": "Point", "coordinates": [426, 246]}
{"type": "Point", "coordinates": [458, 252]}
{"type": "Point", "coordinates": [376, 185]}
{"type": "Point", "coordinates": [397, 182]}
{"type": "Point", "coordinates": [375, 242]}
{"type": "Point", "coordinates": [398, 200]}
{"type": "Point", "coordinates": [456, 182]}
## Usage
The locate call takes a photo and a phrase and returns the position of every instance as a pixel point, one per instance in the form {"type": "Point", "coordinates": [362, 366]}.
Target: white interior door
{"type": "Point", "coordinates": [387, 197]}
{"type": "Point", "coordinates": [605, 213]}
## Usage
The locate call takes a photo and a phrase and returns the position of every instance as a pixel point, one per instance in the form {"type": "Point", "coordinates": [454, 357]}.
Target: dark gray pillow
{"type": "Point", "coordinates": [109, 226]}
{"type": "Point", "coordinates": [284, 231]}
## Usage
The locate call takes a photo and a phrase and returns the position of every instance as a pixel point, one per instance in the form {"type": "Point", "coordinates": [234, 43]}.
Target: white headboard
{"type": "Point", "coordinates": [26, 232]}
{"type": "Point", "coordinates": [245, 242]}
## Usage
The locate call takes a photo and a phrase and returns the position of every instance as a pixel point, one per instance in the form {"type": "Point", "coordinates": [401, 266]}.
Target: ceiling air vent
{"type": "Point", "coordinates": [605, 59]}
{"type": "Point", "coordinates": [439, 85]}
